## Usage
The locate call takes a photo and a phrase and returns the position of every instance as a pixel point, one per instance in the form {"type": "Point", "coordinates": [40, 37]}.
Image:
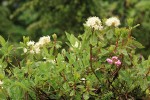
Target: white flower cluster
{"type": "Point", "coordinates": [113, 21]}
{"type": "Point", "coordinates": [35, 47]}
{"type": "Point", "coordinates": [30, 43]}
{"type": "Point", "coordinates": [94, 22]}
{"type": "Point", "coordinates": [42, 41]}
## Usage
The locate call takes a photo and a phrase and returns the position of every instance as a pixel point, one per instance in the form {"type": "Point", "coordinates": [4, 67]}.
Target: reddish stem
{"type": "Point", "coordinates": [116, 46]}
{"type": "Point", "coordinates": [91, 65]}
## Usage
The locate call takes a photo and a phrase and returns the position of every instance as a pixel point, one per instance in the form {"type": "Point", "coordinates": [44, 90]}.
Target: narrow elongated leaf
{"type": "Point", "coordinates": [2, 40]}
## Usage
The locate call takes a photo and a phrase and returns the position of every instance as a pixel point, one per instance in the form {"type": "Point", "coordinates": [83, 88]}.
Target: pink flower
{"type": "Point", "coordinates": [118, 63]}
{"type": "Point", "coordinates": [114, 58]}
{"type": "Point", "coordinates": [109, 61]}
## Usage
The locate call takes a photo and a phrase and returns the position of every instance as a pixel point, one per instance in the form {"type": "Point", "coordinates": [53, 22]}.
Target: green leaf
{"type": "Point", "coordinates": [109, 34]}
{"type": "Point", "coordinates": [10, 48]}
{"type": "Point", "coordinates": [25, 39]}
{"type": "Point", "coordinates": [144, 84]}
{"type": "Point", "coordinates": [76, 76]}
{"type": "Point", "coordinates": [80, 86]}
{"type": "Point", "coordinates": [72, 93]}
{"type": "Point", "coordinates": [117, 31]}
{"type": "Point", "coordinates": [73, 40]}
{"type": "Point", "coordinates": [68, 35]}
{"type": "Point", "coordinates": [111, 48]}
{"type": "Point", "coordinates": [86, 95]}
{"type": "Point", "coordinates": [22, 86]}
{"type": "Point", "coordinates": [130, 21]}
{"type": "Point", "coordinates": [93, 40]}
{"type": "Point", "coordinates": [2, 40]}
{"type": "Point", "coordinates": [143, 5]}
{"type": "Point", "coordinates": [107, 96]}
{"type": "Point", "coordinates": [99, 74]}
{"type": "Point", "coordinates": [137, 44]}
{"type": "Point", "coordinates": [123, 51]}
{"type": "Point", "coordinates": [66, 86]}
{"type": "Point", "coordinates": [59, 58]}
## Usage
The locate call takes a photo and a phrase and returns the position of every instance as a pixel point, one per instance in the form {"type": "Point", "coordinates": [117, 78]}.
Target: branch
{"type": "Point", "coordinates": [91, 65]}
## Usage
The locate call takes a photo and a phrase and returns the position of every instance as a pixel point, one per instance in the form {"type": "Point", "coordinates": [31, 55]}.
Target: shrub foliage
{"type": "Point", "coordinates": [80, 71]}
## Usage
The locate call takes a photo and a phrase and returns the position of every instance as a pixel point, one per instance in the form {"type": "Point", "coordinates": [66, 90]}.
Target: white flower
{"type": "Point", "coordinates": [113, 21]}
{"type": "Point", "coordinates": [32, 51]}
{"type": "Point", "coordinates": [37, 45]}
{"type": "Point", "coordinates": [94, 22]}
{"type": "Point", "coordinates": [30, 43]}
{"type": "Point", "coordinates": [24, 50]}
{"type": "Point", "coordinates": [1, 82]}
{"type": "Point", "coordinates": [37, 50]}
{"type": "Point", "coordinates": [43, 40]}
{"type": "Point", "coordinates": [83, 79]}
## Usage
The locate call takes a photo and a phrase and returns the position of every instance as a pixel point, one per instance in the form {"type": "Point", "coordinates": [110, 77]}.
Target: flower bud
{"type": "Point", "coordinates": [114, 58]}
{"type": "Point", "coordinates": [109, 61]}
{"type": "Point", "coordinates": [54, 36]}
{"type": "Point", "coordinates": [118, 63]}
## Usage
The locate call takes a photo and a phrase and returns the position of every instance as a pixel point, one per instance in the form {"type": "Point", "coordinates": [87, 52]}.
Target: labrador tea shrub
{"type": "Point", "coordinates": [100, 64]}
